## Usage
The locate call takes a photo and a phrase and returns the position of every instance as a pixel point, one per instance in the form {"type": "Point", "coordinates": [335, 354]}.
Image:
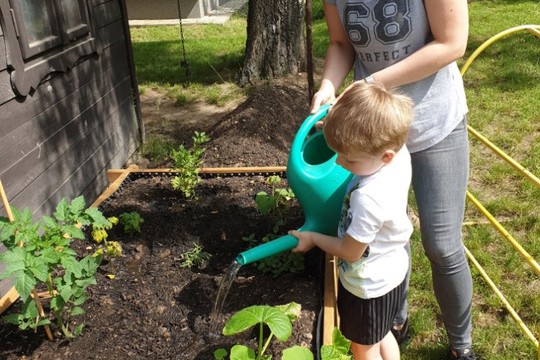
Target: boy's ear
{"type": "Point", "coordinates": [388, 156]}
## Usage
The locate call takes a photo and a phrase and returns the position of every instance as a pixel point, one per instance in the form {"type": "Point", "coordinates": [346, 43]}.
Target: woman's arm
{"type": "Point", "coordinates": [346, 248]}
{"type": "Point", "coordinates": [449, 22]}
{"type": "Point", "coordinates": [339, 59]}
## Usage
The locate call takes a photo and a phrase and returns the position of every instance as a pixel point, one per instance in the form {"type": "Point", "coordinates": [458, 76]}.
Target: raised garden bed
{"type": "Point", "coordinates": [154, 308]}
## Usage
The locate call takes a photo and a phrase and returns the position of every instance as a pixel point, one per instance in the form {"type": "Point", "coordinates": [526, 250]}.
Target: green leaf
{"type": "Point", "coordinates": [84, 283]}
{"type": "Point", "coordinates": [71, 264]}
{"type": "Point", "coordinates": [39, 270]}
{"type": "Point", "coordinates": [220, 354]}
{"type": "Point", "coordinates": [292, 310]}
{"type": "Point", "coordinates": [14, 261]}
{"type": "Point", "coordinates": [241, 352]}
{"type": "Point", "coordinates": [265, 202]}
{"type": "Point", "coordinates": [77, 205]}
{"type": "Point", "coordinates": [14, 319]}
{"type": "Point", "coordinates": [98, 219]}
{"type": "Point", "coordinates": [66, 292]}
{"type": "Point", "coordinates": [90, 264]}
{"type": "Point", "coordinates": [297, 353]}
{"type": "Point", "coordinates": [57, 303]}
{"type": "Point", "coordinates": [62, 210]}
{"type": "Point", "coordinates": [78, 330]}
{"type": "Point", "coordinates": [49, 222]}
{"type": "Point", "coordinates": [24, 284]}
{"type": "Point", "coordinates": [339, 350]}
{"type": "Point", "coordinates": [340, 342]}
{"type": "Point", "coordinates": [44, 321]}
{"type": "Point", "coordinates": [277, 321]}
{"type": "Point", "coordinates": [50, 256]}
{"type": "Point", "coordinates": [330, 353]}
{"type": "Point", "coordinates": [79, 300]}
{"type": "Point", "coordinates": [77, 310]}
{"type": "Point", "coordinates": [73, 231]}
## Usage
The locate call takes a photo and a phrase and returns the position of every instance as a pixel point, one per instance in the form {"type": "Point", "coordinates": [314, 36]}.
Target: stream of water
{"type": "Point", "coordinates": [224, 286]}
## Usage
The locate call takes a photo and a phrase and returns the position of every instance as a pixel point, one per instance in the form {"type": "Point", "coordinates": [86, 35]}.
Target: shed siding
{"type": "Point", "coordinates": [60, 140]}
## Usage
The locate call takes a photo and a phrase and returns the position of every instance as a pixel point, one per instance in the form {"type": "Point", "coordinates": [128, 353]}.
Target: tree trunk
{"type": "Point", "coordinates": [275, 44]}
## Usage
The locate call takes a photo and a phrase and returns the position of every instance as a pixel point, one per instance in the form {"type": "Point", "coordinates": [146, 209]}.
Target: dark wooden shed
{"type": "Point", "coordinates": [69, 107]}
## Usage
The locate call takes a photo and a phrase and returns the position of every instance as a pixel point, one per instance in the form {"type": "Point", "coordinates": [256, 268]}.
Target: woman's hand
{"type": "Point", "coordinates": [325, 95]}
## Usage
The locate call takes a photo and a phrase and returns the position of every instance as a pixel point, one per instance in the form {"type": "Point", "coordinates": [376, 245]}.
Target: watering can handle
{"type": "Point", "coordinates": [306, 127]}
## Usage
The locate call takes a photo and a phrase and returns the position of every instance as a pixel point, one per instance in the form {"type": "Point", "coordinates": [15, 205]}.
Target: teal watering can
{"type": "Point", "coordinates": [318, 183]}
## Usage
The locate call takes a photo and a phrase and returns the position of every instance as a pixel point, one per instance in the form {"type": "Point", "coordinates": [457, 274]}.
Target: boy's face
{"type": "Point", "coordinates": [360, 163]}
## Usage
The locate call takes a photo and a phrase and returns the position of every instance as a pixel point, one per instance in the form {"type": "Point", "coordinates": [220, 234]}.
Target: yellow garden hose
{"type": "Point", "coordinates": [509, 307]}
{"type": "Point", "coordinates": [528, 258]}
{"type": "Point", "coordinates": [534, 30]}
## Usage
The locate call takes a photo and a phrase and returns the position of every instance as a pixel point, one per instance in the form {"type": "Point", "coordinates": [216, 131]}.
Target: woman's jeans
{"type": "Point", "coordinates": [439, 180]}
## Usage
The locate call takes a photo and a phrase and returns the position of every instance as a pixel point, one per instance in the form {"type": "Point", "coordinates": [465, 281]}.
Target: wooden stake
{"type": "Point", "coordinates": [34, 292]}
{"type": "Point", "coordinates": [42, 314]}
{"type": "Point", "coordinates": [6, 203]}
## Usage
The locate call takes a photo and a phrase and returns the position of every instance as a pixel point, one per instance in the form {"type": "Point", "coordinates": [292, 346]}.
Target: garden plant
{"type": "Point", "coordinates": [279, 320]}
{"type": "Point", "coordinates": [39, 256]}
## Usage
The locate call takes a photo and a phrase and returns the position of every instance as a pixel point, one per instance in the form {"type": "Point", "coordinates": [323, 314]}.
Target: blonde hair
{"type": "Point", "coordinates": [368, 118]}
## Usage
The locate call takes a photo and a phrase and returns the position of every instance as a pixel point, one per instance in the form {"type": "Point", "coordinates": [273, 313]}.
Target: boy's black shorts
{"type": "Point", "coordinates": [368, 321]}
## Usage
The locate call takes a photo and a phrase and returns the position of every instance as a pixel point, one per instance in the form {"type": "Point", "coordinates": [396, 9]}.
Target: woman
{"type": "Point", "coordinates": [412, 45]}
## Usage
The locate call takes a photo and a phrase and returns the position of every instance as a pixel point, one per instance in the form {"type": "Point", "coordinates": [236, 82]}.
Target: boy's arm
{"type": "Point", "coordinates": [347, 248]}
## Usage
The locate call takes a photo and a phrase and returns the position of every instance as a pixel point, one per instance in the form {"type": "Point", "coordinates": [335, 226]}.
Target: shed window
{"type": "Point", "coordinates": [44, 36]}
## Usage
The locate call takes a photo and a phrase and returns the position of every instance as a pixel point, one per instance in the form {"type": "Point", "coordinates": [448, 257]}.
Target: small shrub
{"type": "Point", "coordinates": [188, 163]}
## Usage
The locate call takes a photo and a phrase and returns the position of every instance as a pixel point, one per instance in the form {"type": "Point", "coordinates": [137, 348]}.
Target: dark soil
{"type": "Point", "coordinates": [154, 308]}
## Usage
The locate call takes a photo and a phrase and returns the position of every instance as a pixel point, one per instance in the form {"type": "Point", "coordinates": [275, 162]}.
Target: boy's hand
{"type": "Point", "coordinates": [305, 242]}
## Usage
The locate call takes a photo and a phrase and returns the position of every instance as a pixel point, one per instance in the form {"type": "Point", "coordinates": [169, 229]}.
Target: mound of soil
{"type": "Point", "coordinates": [157, 309]}
{"type": "Point", "coordinates": [260, 131]}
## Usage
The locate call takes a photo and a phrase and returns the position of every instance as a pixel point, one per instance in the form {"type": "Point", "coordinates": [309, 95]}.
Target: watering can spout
{"type": "Point", "coordinates": [268, 249]}
{"type": "Point", "coordinates": [318, 183]}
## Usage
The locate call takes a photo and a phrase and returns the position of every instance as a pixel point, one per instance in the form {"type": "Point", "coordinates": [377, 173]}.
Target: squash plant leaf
{"type": "Point", "coordinates": [241, 352]}
{"type": "Point", "coordinates": [292, 310]}
{"type": "Point", "coordinates": [297, 353]}
{"type": "Point", "coordinates": [338, 350]}
{"type": "Point", "coordinates": [220, 354]}
{"type": "Point", "coordinates": [277, 321]}
{"type": "Point", "coordinates": [265, 203]}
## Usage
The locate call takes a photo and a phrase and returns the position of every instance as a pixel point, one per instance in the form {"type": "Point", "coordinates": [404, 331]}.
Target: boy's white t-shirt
{"type": "Point", "coordinates": [375, 212]}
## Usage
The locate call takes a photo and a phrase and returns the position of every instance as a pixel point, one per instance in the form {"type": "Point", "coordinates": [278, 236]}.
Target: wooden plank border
{"type": "Point", "coordinates": [115, 183]}
{"type": "Point", "coordinates": [9, 298]}
{"type": "Point", "coordinates": [330, 314]}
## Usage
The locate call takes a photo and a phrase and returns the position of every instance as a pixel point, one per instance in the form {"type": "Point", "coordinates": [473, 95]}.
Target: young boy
{"type": "Point", "coordinates": [367, 128]}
